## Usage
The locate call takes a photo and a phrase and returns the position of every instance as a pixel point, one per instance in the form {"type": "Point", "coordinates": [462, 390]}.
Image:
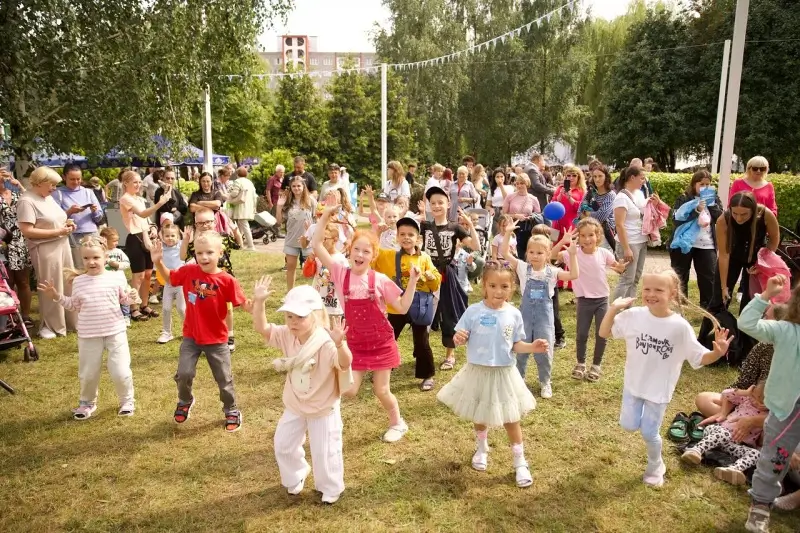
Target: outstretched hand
{"type": "Point", "coordinates": [49, 289]}
{"type": "Point", "coordinates": [722, 340]}
{"type": "Point", "coordinates": [156, 251]}
{"type": "Point", "coordinates": [338, 330]}
{"type": "Point", "coordinates": [262, 289]}
{"type": "Point", "coordinates": [622, 303]}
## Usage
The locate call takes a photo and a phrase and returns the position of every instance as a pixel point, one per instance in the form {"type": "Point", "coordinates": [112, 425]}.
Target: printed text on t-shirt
{"type": "Point", "coordinates": [645, 343]}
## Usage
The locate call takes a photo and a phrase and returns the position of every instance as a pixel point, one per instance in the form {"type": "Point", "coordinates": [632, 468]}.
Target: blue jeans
{"type": "Point", "coordinates": [126, 310]}
{"type": "Point", "coordinates": [538, 319]}
{"type": "Point", "coordinates": [644, 416]}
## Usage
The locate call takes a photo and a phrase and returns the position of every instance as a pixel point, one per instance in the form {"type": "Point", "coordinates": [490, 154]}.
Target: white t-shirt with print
{"type": "Point", "coordinates": [655, 351]}
{"type": "Point", "coordinates": [324, 285]}
{"type": "Point", "coordinates": [523, 275]}
{"type": "Point", "coordinates": [633, 216]}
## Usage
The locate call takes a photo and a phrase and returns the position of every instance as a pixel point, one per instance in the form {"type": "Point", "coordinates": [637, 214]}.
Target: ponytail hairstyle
{"type": "Point", "coordinates": [680, 300]}
{"type": "Point", "coordinates": [628, 173]}
{"type": "Point", "coordinates": [748, 201]}
{"type": "Point", "coordinates": [90, 241]}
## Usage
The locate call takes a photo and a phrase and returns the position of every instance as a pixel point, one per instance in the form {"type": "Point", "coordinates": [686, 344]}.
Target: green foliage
{"type": "Point", "coordinates": [351, 123]}
{"type": "Point", "coordinates": [187, 187]}
{"type": "Point", "coordinates": [266, 168]}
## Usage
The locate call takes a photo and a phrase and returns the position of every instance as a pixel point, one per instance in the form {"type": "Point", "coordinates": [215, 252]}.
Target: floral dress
{"type": "Point", "coordinates": [14, 243]}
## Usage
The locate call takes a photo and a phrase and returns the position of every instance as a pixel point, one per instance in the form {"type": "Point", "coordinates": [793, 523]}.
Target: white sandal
{"type": "Point", "coordinates": [480, 460]}
{"type": "Point", "coordinates": [524, 477]}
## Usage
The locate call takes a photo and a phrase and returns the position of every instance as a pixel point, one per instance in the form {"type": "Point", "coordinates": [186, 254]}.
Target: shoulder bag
{"type": "Point", "coordinates": [421, 310]}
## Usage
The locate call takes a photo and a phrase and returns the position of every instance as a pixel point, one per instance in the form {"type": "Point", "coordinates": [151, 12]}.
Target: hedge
{"type": "Point", "coordinates": [787, 195]}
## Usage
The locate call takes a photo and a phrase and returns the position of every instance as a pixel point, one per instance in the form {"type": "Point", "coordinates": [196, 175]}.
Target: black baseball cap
{"type": "Point", "coordinates": [408, 221]}
{"type": "Point", "coordinates": [435, 190]}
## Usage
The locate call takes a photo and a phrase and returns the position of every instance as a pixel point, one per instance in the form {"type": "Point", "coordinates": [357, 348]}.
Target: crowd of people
{"type": "Point", "coordinates": [415, 265]}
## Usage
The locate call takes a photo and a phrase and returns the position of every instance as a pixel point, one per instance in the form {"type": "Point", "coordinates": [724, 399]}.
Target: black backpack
{"type": "Point", "coordinates": [740, 345]}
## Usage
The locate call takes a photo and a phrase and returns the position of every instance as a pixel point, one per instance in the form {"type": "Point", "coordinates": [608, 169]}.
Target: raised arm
{"type": "Point", "coordinates": [573, 263]}
{"type": "Point", "coordinates": [188, 233]}
{"type": "Point", "coordinates": [504, 246]}
{"type": "Point", "coordinates": [157, 255]}
{"type": "Point", "coordinates": [260, 294]}
{"type": "Point", "coordinates": [319, 236]}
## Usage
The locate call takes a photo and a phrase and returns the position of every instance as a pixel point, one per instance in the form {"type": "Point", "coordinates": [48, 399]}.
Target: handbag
{"type": "Point", "coordinates": [222, 223]}
{"type": "Point", "coordinates": [421, 310]}
{"type": "Point", "coordinates": [309, 268]}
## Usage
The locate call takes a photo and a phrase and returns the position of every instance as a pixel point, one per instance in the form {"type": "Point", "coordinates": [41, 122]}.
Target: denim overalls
{"type": "Point", "coordinates": [537, 317]}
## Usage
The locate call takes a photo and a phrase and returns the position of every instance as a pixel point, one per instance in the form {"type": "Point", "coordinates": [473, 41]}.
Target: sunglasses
{"type": "Point", "coordinates": [570, 175]}
{"type": "Point", "coordinates": [758, 169]}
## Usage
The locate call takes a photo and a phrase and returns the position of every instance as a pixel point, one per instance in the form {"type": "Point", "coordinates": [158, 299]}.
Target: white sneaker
{"type": "Point", "coordinates": [153, 299]}
{"type": "Point", "coordinates": [127, 321]}
{"type": "Point", "coordinates": [297, 489]}
{"type": "Point", "coordinates": [655, 477]}
{"type": "Point", "coordinates": [547, 390]}
{"type": "Point", "coordinates": [164, 338]}
{"type": "Point", "coordinates": [47, 333]}
{"type": "Point", "coordinates": [330, 500]}
{"type": "Point", "coordinates": [395, 433]}
{"type": "Point", "coordinates": [126, 409]}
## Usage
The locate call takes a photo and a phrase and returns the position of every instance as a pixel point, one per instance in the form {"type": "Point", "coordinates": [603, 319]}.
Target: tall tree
{"type": "Point", "coordinates": [350, 114]}
{"type": "Point", "coordinates": [97, 74]}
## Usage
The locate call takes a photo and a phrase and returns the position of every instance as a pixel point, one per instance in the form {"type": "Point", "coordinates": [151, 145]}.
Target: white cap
{"type": "Point", "coordinates": [301, 301]}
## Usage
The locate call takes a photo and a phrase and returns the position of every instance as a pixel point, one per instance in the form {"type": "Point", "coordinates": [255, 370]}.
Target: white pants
{"type": "Point", "coordinates": [171, 294]}
{"type": "Point", "coordinates": [247, 234]}
{"type": "Point", "coordinates": [90, 363]}
{"type": "Point", "coordinates": [325, 434]}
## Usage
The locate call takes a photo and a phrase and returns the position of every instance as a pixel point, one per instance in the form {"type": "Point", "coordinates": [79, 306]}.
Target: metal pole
{"type": "Point", "coordinates": [208, 163]}
{"type": "Point", "coordinates": [732, 104]}
{"type": "Point", "coordinates": [723, 84]}
{"type": "Point", "coordinates": [384, 113]}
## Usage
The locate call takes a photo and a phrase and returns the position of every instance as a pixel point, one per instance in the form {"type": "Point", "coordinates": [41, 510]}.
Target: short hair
{"type": "Point", "coordinates": [412, 165]}
{"type": "Point", "coordinates": [635, 162]}
{"type": "Point", "coordinates": [279, 168]}
{"type": "Point", "coordinates": [468, 159]}
{"type": "Point", "coordinates": [44, 175]}
{"type": "Point", "coordinates": [109, 233]}
{"type": "Point", "coordinates": [299, 159]}
{"type": "Point", "coordinates": [437, 167]}
{"type": "Point", "coordinates": [210, 237]}
{"type": "Point", "coordinates": [541, 229]}
{"type": "Point", "coordinates": [203, 211]}
{"type": "Point", "coordinates": [648, 160]}
{"type": "Point", "coordinates": [536, 156]}
{"type": "Point", "coordinates": [224, 171]}
{"type": "Point", "coordinates": [69, 167]}
{"type": "Point", "coordinates": [758, 161]}
{"type": "Point", "coordinates": [241, 172]}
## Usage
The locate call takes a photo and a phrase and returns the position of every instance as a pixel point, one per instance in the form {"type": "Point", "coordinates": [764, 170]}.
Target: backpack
{"type": "Point", "coordinates": [740, 345]}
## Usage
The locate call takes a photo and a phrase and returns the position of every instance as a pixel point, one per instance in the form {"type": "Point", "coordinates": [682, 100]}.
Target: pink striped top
{"type": "Point", "coordinates": [97, 300]}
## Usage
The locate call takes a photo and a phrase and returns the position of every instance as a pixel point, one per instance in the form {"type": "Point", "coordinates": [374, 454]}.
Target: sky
{"type": "Point", "coordinates": [346, 25]}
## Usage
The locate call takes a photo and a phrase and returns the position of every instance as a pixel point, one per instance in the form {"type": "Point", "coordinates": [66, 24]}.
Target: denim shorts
{"type": "Point", "coordinates": [296, 251]}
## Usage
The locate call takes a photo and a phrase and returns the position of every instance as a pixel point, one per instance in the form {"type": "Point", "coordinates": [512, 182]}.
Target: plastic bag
{"type": "Point", "coordinates": [769, 264]}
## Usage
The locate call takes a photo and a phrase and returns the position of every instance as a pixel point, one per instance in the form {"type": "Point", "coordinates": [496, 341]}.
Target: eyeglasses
{"type": "Point", "coordinates": [203, 222]}
{"type": "Point", "coordinates": [758, 169]}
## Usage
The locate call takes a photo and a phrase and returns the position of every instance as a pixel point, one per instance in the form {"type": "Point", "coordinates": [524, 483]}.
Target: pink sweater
{"type": "Point", "coordinates": [97, 300]}
{"type": "Point", "coordinates": [764, 195]}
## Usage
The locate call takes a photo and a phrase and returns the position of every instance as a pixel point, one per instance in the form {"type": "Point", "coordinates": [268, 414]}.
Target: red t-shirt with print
{"type": "Point", "coordinates": [207, 297]}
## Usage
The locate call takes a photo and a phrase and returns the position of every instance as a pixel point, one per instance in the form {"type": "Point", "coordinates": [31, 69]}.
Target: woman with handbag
{"type": "Point", "coordinates": [397, 266]}
{"type": "Point", "coordinates": [522, 206]}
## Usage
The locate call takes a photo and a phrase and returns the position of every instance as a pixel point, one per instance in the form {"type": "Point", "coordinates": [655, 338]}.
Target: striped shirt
{"type": "Point", "coordinates": [97, 300]}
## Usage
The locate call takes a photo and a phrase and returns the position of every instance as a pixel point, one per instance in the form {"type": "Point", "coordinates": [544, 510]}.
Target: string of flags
{"type": "Point", "coordinates": [485, 45]}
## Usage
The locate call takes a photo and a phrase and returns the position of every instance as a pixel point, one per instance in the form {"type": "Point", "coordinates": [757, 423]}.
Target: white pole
{"type": "Point", "coordinates": [208, 163]}
{"type": "Point", "coordinates": [732, 104]}
{"type": "Point", "coordinates": [723, 84]}
{"type": "Point", "coordinates": [384, 113]}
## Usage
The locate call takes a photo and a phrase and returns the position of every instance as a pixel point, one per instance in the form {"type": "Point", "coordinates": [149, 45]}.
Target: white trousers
{"type": "Point", "coordinates": [171, 294]}
{"type": "Point", "coordinates": [325, 434]}
{"type": "Point", "coordinates": [90, 364]}
{"type": "Point", "coordinates": [247, 233]}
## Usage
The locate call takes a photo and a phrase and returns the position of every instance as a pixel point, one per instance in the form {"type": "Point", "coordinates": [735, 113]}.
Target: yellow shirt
{"type": "Point", "coordinates": [385, 264]}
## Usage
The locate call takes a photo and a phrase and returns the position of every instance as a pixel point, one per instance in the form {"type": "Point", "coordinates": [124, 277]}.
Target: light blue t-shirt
{"type": "Point", "coordinates": [492, 334]}
{"type": "Point", "coordinates": [172, 257]}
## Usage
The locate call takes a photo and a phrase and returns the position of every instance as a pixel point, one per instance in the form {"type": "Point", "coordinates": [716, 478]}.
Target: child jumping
{"type": "Point", "coordinates": [312, 359]}
{"type": "Point", "coordinates": [537, 281]}
{"type": "Point", "coordinates": [208, 291]}
{"type": "Point", "coordinates": [97, 296]}
{"type": "Point", "coordinates": [719, 433]}
{"type": "Point", "coordinates": [782, 397]}
{"type": "Point", "coordinates": [171, 239]}
{"type": "Point", "coordinates": [488, 390]}
{"type": "Point", "coordinates": [370, 336]}
{"type": "Point", "coordinates": [658, 341]}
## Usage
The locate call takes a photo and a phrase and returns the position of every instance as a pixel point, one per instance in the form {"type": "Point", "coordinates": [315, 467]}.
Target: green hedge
{"type": "Point", "coordinates": [787, 195]}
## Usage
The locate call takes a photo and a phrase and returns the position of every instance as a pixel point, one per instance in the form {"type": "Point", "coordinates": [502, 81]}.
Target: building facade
{"type": "Point", "coordinates": [302, 53]}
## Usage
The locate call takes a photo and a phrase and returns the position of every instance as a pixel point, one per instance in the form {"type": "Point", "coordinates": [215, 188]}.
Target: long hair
{"type": "Point", "coordinates": [492, 183]}
{"type": "Point", "coordinates": [697, 177]}
{"type": "Point", "coordinates": [627, 174]}
{"type": "Point", "coordinates": [398, 175]}
{"type": "Point", "coordinates": [748, 201]}
{"type": "Point", "coordinates": [680, 301]}
{"type": "Point", "coordinates": [608, 185]}
{"type": "Point", "coordinates": [581, 177]}
{"type": "Point", "coordinates": [305, 197]}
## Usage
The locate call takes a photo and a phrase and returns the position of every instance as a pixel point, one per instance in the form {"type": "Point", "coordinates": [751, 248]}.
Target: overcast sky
{"type": "Point", "coordinates": [346, 25]}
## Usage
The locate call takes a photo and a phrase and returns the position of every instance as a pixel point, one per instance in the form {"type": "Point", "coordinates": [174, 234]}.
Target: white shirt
{"type": "Point", "coordinates": [633, 215]}
{"type": "Point", "coordinates": [704, 239]}
{"type": "Point", "coordinates": [395, 191]}
{"type": "Point", "coordinates": [541, 275]}
{"type": "Point", "coordinates": [497, 197]}
{"type": "Point", "coordinates": [655, 351]}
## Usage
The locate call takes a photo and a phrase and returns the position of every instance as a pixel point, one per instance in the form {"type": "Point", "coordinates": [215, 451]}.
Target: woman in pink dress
{"type": "Point", "coordinates": [755, 181]}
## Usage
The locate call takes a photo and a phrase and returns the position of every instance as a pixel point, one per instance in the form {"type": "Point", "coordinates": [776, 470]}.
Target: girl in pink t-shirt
{"type": "Point", "coordinates": [364, 294]}
{"type": "Point", "coordinates": [591, 290]}
{"type": "Point", "coordinates": [313, 359]}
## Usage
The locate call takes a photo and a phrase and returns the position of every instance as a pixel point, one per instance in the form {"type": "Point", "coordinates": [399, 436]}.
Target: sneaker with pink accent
{"type": "Point", "coordinates": [655, 477]}
{"type": "Point", "coordinates": [83, 412]}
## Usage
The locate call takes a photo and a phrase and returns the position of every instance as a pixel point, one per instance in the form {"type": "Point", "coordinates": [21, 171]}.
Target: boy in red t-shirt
{"type": "Point", "coordinates": [207, 290]}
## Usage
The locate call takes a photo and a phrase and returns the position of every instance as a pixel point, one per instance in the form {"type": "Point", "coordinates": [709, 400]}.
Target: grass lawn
{"type": "Point", "coordinates": [146, 473]}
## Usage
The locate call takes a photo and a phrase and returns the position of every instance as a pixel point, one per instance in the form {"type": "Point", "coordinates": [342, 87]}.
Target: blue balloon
{"type": "Point", "coordinates": [554, 211]}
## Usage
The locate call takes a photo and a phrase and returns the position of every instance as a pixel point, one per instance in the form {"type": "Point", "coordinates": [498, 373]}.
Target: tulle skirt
{"type": "Point", "coordinates": [488, 395]}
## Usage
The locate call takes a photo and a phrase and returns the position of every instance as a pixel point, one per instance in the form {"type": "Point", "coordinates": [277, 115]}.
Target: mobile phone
{"type": "Point", "coordinates": [567, 183]}
{"type": "Point", "coordinates": [87, 205]}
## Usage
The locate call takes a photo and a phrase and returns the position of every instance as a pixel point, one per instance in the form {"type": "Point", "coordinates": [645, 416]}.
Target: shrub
{"type": "Point", "coordinates": [262, 172]}
{"type": "Point", "coordinates": [187, 187]}
{"type": "Point", "coordinates": [787, 193]}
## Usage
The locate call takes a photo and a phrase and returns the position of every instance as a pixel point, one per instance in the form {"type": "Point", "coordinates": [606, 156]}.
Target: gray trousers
{"type": "Point", "coordinates": [219, 360]}
{"type": "Point", "coordinates": [781, 438]}
{"type": "Point", "coordinates": [628, 280]}
{"type": "Point", "coordinates": [589, 308]}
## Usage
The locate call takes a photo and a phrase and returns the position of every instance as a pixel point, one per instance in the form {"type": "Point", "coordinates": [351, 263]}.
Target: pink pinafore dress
{"type": "Point", "coordinates": [369, 335]}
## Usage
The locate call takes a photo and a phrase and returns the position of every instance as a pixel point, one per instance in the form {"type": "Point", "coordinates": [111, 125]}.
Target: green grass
{"type": "Point", "coordinates": [145, 473]}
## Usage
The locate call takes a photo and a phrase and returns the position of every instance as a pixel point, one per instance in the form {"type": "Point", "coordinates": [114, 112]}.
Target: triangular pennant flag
{"type": "Point", "coordinates": [230, 78]}
{"type": "Point", "coordinates": [528, 26]}
{"type": "Point", "coordinates": [503, 39]}
{"type": "Point", "coordinates": [538, 23]}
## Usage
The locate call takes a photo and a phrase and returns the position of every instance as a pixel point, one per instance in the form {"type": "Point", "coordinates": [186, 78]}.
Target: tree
{"type": "Point", "coordinates": [351, 125]}
{"type": "Point", "coordinates": [97, 74]}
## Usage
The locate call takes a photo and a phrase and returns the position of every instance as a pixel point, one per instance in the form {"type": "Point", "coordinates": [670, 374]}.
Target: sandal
{"type": "Point", "coordinates": [427, 384]}
{"type": "Point", "coordinates": [579, 371]}
{"type": "Point", "coordinates": [183, 411]}
{"type": "Point", "coordinates": [233, 421]}
{"type": "Point", "coordinates": [29, 323]}
{"type": "Point", "coordinates": [448, 364]}
{"type": "Point", "coordinates": [679, 429]}
{"type": "Point", "coordinates": [149, 311]}
{"type": "Point", "coordinates": [594, 373]}
{"type": "Point", "coordinates": [695, 429]}
{"type": "Point", "coordinates": [139, 317]}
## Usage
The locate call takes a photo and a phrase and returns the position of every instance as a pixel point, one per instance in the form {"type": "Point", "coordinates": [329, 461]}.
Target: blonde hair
{"type": "Point", "coordinates": [437, 168]}
{"type": "Point", "coordinates": [581, 177]}
{"type": "Point", "coordinates": [758, 161]}
{"type": "Point", "coordinates": [594, 224]}
{"type": "Point", "coordinates": [90, 241]}
{"type": "Point", "coordinates": [541, 229]}
{"type": "Point", "coordinates": [170, 226]}
{"type": "Point", "coordinates": [680, 300]}
{"type": "Point", "coordinates": [109, 233]}
{"type": "Point", "coordinates": [320, 318]}
{"type": "Point", "coordinates": [398, 175]}
{"type": "Point", "coordinates": [128, 176]}
{"type": "Point", "coordinates": [209, 237]}
{"type": "Point", "coordinates": [44, 175]}
{"type": "Point", "coordinates": [540, 239]}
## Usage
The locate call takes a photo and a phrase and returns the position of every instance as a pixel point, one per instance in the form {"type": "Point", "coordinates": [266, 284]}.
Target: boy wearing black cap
{"type": "Point", "coordinates": [439, 240]}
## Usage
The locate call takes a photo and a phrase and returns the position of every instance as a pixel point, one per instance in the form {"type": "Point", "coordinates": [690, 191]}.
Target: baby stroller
{"type": "Point", "coordinates": [484, 229]}
{"type": "Point", "coordinates": [268, 225]}
{"type": "Point", "coordinates": [13, 332]}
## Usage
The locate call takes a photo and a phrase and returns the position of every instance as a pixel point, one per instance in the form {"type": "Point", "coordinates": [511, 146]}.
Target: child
{"type": "Point", "coordinates": [410, 255]}
{"type": "Point", "coordinates": [591, 289]}
{"type": "Point", "coordinates": [736, 404]}
{"type": "Point", "coordinates": [488, 390]}
{"type": "Point", "coordinates": [369, 335]}
{"type": "Point", "coordinates": [97, 297]}
{"type": "Point", "coordinates": [537, 281]}
{"type": "Point", "coordinates": [312, 359]}
{"type": "Point", "coordinates": [502, 222]}
{"type": "Point", "coordinates": [439, 240]}
{"type": "Point", "coordinates": [383, 219]}
{"type": "Point", "coordinates": [464, 261]}
{"type": "Point", "coordinates": [658, 341]}
{"type": "Point", "coordinates": [117, 262]}
{"type": "Point", "coordinates": [170, 237]}
{"type": "Point", "coordinates": [208, 291]}
{"type": "Point", "coordinates": [322, 279]}
{"type": "Point", "coordinates": [782, 397]}
{"type": "Point", "coordinates": [552, 235]}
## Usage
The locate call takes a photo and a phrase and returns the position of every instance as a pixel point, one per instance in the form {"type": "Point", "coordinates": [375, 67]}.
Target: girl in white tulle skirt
{"type": "Point", "coordinates": [489, 390]}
